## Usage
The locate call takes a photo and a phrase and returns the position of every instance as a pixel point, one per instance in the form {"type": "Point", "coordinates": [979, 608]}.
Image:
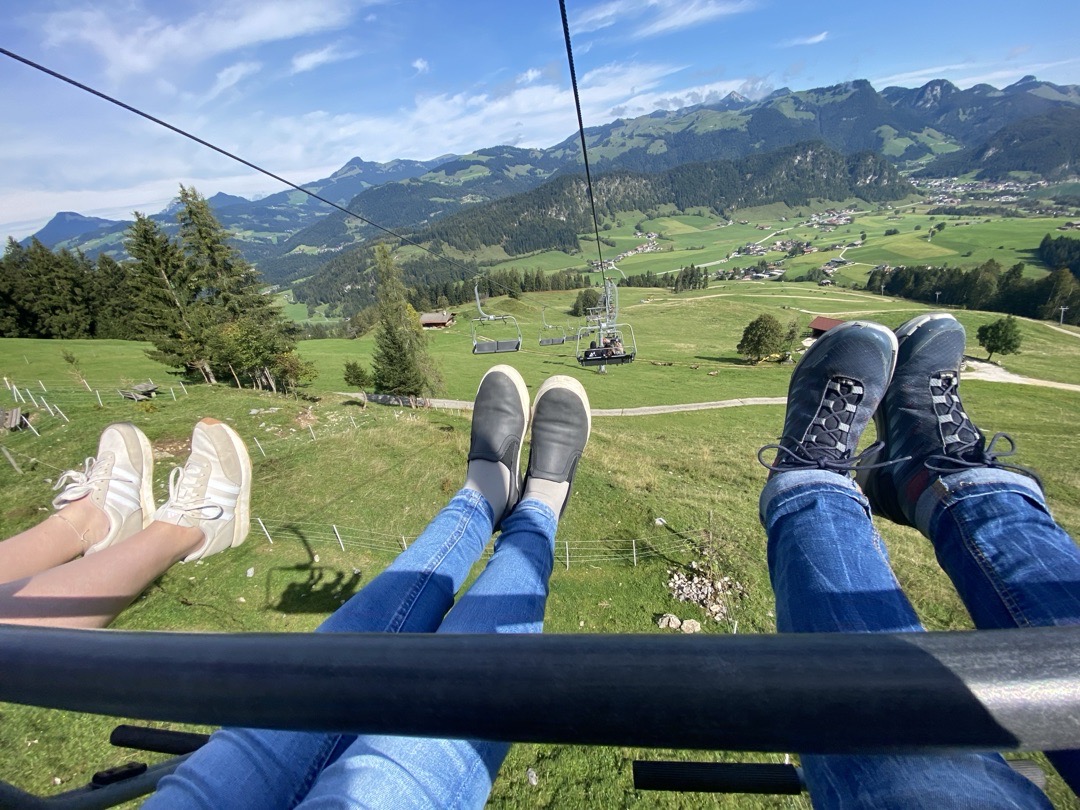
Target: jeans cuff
{"type": "Point", "coordinates": [784, 482]}
{"type": "Point", "coordinates": [948, 489]}
{"type": "Point", "coordinates": [536, 512]}
{"type": "Point", "coordinates": [470, 500]}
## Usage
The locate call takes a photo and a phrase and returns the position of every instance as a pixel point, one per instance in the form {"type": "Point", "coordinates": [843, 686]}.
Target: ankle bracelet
{"type": "Point", "coordinates": [82, 535]}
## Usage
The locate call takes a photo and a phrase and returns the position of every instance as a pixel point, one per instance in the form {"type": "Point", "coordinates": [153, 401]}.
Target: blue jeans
{"type": "Point", "coordinates": [262, 769]}
{"type": "Point", "coordinates": [1012, 565]}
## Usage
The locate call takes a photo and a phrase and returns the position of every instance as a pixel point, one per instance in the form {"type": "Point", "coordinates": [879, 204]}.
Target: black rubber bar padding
{"type": "Point", "coordinates": [717, 777]}
{"type": "Point", "coordinates": [810, 693]}
{"type": "Point", "coordinates": [159, 740]}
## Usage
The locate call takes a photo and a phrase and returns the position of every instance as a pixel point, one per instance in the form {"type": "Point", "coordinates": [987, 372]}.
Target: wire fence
{"type": "Point", "coordinates": [569, 552]}
{"type": "Point", "coordinates": [51, 396]}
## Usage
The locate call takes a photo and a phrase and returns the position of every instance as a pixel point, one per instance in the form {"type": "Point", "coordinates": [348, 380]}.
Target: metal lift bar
{"type": "Point", "coordinates": [493, 346]}
{"type": "Point", "coordinates": [812, 693]}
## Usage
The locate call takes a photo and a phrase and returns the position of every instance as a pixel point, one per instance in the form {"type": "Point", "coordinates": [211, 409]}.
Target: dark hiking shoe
{"type": "Point", "coordinates": [922, 422]}
{"type": "Point", "coordinates": [833, 393]}
{"type": "Point", "coordinates": [500, 417]}
{"type": "Point", "coordinates": [561, 422]}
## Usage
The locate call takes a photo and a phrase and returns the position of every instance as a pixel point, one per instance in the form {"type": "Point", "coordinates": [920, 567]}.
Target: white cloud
{"type": "Point", "coordinates": [816, 39]}
{"type": "Point", "coordinates": [310, 60]}
{"type": "Point", "coordinates": [656, 17]}
{"type": "Point", "coordinates": [676, 16]}
{"type": "Point", "coordinates": [231, 76]}
{"type": "Point", "coordinates": [132, 41]}
{"type": "Point", "coordinates": [420, 66]}
{"type": "Point", "coordinates": [529, 76]}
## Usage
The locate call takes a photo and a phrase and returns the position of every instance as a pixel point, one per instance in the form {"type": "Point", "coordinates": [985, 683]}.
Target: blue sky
{"type": "Point", "coordinates": [302, 86]}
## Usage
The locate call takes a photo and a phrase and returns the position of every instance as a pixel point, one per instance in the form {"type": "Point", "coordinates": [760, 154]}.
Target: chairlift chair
{"type": "Point", "coordinates": [601, 322]}
{"type": "Point", "coordinates": [590, 357]}
{"type": "Point", "coordinates": [547, 329]}
{"type": "Point", "coordinates": [483, 344]}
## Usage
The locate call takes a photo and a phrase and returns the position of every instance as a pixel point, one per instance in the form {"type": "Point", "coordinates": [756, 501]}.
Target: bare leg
{"type": "Point", "coordinates": [58, 539]}
{"type": "Point", "coordinates": [91, 591]}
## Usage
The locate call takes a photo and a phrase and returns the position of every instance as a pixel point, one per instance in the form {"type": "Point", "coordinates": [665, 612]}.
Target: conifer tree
{"type": "Point", "coordinates": [201, 303]}
{"type": "Point", "coordinates": [400, 361]}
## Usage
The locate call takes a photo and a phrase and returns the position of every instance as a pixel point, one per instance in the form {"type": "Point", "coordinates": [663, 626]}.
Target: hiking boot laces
{"type": "Point", "coordinates": [824, 447]}
{"type": "Point", "coordinates": [962, 441]}
{"type": "Point", "coordinates": [972, 455]}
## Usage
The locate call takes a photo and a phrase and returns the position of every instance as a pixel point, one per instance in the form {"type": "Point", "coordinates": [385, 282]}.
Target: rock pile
{"type": "Point", "coordinates": [715, 595]}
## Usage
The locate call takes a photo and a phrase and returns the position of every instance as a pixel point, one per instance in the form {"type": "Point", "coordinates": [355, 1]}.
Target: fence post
{"type": "Point", "coordinates": [338, 536]}
{"type": "Point", "coordinates": [567, 555]}
{"type": "Point", "coordinates": [43, 388]}
{"type": "Point", "coordinates": [62, 414]}
{"type": "Point", "coordinates": [10, 459]}
{"type": "Point", "coordinates": [27, 421]}
{"type": "Point", "coordinates": [48, 407]}
{"type": "Point", "coordinates": [256, 438]}
{"type": "Point", "coordinates": [31, 394]}
{"type": "Point", "coordinates": [404, 545]}
{"type": "Point", "coordinates": [171, 391]}
{"type": "Point", "coordinates": [634, 541]}
{"type": "Point", "coordinates": [309, 427]}
{"type": "Point", "coordinates": [98, 395]}
{"type": "Point", "coordinates": [182, 387]}
{"type": "Point", "coordinates": [263, 525]}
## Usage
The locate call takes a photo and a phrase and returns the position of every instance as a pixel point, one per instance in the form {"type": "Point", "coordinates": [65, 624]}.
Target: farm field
{"type": "Point", "coordinates": [706, 240]}
{"type": "Point", "coordinates": [393, 468]}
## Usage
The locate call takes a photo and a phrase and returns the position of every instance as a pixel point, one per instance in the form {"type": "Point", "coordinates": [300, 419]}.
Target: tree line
{"type": "Point", "coordinates": [193, 297]}
{"type": "Point", "coordinates": [987, 287]}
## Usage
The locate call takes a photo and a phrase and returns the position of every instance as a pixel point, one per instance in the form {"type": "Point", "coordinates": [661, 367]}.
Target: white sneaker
{"type": "Point", "coordinates": [119, 482]}
{"type": "Point", "coordinates": [212, 491]}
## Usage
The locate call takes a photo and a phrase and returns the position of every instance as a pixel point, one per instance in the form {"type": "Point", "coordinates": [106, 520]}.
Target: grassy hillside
{"type": "Point", "coordinates": [394, 469]}
{"type": "Point", "coordinates": [705, 240]}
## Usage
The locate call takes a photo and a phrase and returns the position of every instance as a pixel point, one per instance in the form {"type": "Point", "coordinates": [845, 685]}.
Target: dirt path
{"type": "Point", "coordinates": [975, 370]}
{"type": "Point", "coordinates": [982, 370]}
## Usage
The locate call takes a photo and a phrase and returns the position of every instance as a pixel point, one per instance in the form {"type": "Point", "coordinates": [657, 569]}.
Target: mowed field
{"type": "Point", "coordinates": [378, 474]}
{"type": "Point", "coordinates": [702, 239]}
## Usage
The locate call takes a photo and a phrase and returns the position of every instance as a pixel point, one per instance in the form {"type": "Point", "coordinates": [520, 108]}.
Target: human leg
{"type": "Point", "coordinates": [992, 531]}
{"type": "Point", "coordinates": [205, 513]}
{"type": "Point", "coordinates": [106, 502]}
{"type": "Point", "coordinates": [831, 573]}
{"type": "Point", "coordinates": [260, 768]}
{"type": "Point", "coordinates": [509, 596]}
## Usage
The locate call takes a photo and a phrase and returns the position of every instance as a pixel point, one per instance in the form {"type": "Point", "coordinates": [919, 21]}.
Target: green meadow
{"type": "Point", "coordinates": [703, 239]}
{"type": "Point", "coordinates": [393, 468]}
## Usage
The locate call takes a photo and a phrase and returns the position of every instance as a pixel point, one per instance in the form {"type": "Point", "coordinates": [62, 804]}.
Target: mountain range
{"type": "Point", "coordinates": [1028, 126]}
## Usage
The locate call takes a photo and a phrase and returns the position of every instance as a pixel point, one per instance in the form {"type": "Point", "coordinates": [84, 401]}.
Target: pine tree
{"type": "Point", "coordinates": [201, 303]}
{"type": "Point", "coordinates": [400, 361]}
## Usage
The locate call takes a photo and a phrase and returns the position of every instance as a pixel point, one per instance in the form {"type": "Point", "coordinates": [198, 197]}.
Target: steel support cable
{"type": "Point", "coordinates": [581, 133]}
{"type": "Point", "coordinates": [814, 693]}
{"type": "Point", "coordinates": [226, 153]}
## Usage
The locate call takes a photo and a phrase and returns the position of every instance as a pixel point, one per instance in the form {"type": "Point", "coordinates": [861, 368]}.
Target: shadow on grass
{"type": "Point", "coordinates": [323, 590]}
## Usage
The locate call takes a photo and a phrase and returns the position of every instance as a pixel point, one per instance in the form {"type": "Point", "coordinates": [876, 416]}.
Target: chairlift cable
{"type": "Point", "coordinates": [227, 154]}
{"type": "Point", "coordinates": [581, 133]}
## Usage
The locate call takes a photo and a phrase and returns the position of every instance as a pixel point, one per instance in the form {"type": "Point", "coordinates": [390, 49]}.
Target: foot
{"type": "Point", "coordinates": [212, 491]}
{"type": "Point", "coordinates": [118, 481]}
{"type": "Point", "coordinates": [500, 418]}
{"type": "Point", "coordinates": [832, 395]}
{"type": "Point", "coordinates": [922, 422]}
{"type": "Point", "coordinates": [561, 425]}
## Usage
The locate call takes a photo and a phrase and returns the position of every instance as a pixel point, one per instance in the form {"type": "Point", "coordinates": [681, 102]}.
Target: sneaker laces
{"type": "Point", "coordinates": [78, 484]}
{"type": "Point", "coordinates": [973, 455]}
{"type": "Point", "coordinates": [183, 494]}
